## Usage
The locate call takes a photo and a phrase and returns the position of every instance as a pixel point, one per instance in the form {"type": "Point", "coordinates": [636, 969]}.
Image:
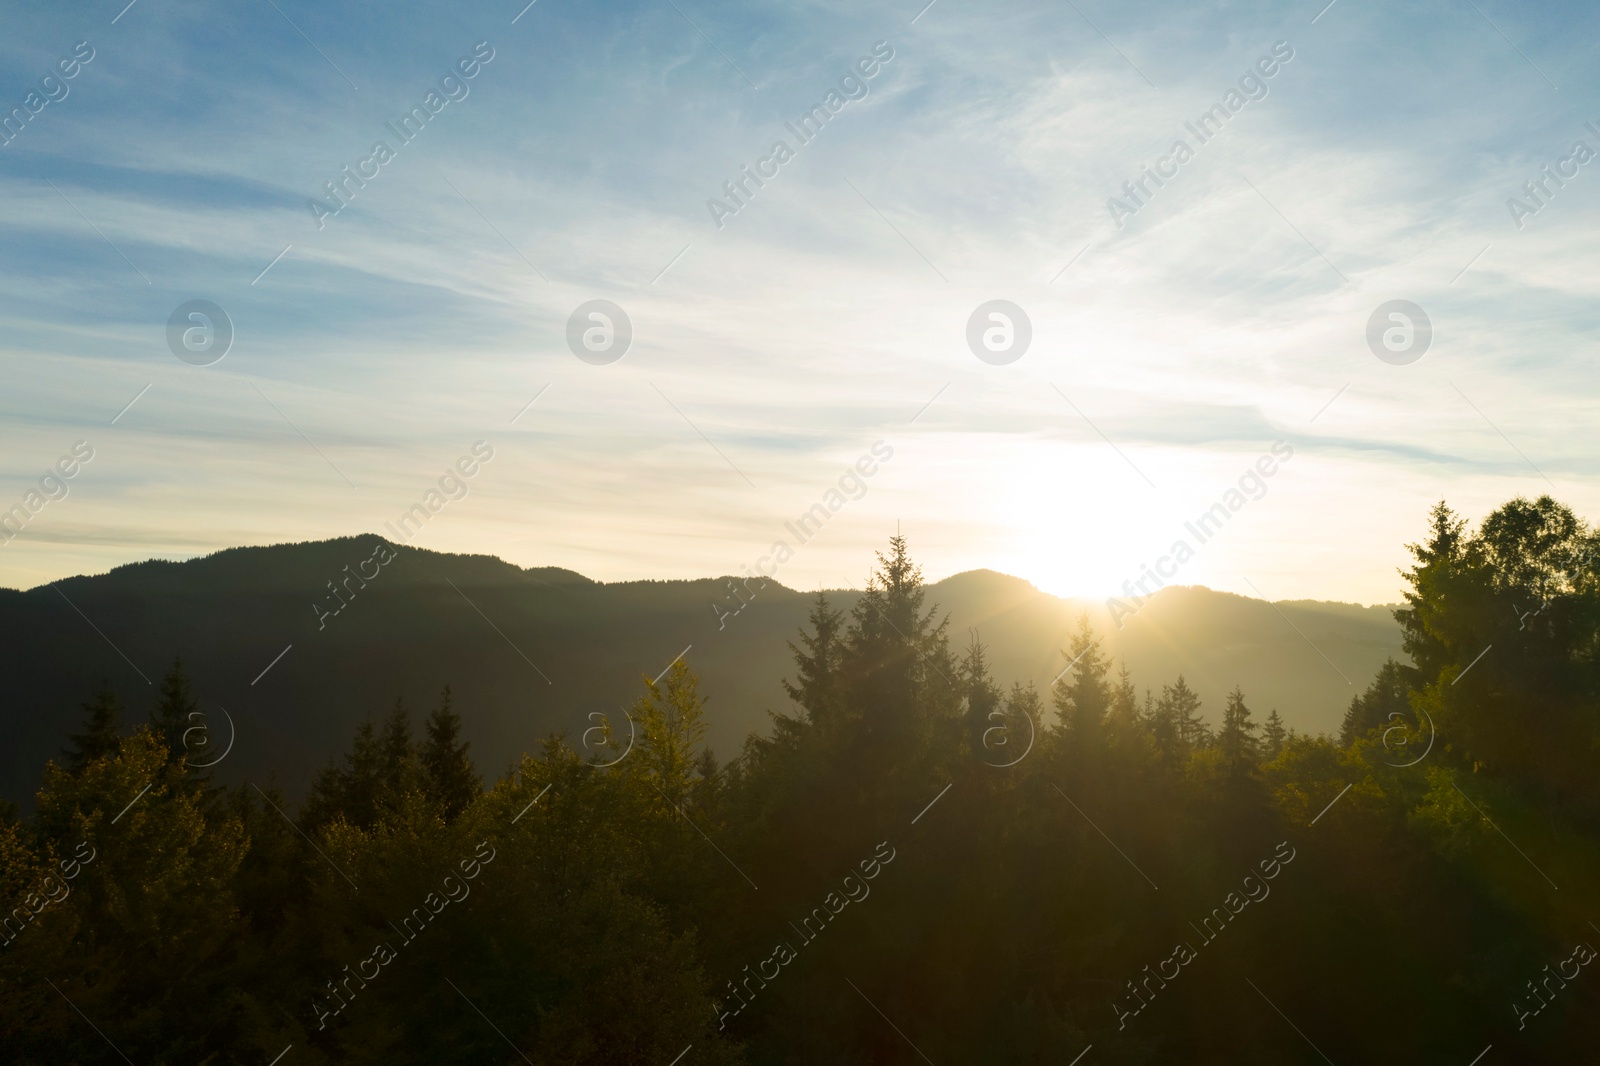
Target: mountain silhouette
{"type": "Point", "coordinates": [294, 644]}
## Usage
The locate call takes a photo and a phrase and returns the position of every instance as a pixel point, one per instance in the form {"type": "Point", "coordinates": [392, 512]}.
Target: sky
{"type": "Point", "coordinates": [1178, 334]}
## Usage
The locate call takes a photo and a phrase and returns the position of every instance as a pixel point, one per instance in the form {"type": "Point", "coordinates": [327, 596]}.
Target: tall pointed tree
{"type": "Point", "coordinates": [817, 663]}
{"type": "Point", "coordinates": [175, 704]}
{"type": "Point", "coordinates": [1236, 741]}
{"type": "Point", "coordinates": [447, 768]}
{"type": "Point", "coordinates": [1388, 694]}
{"type": "Point", "coordinates": [896, 663]}
{"type": "Point", "coordinates": [1436, 582]}
{"type": "Point", "coordinates": [981, 693]}
{"type": "Point", "coordinates": [102, 729]}
{"type": "Point", "coordinates": [1083, 697]}
{"type": "Point", "coordinates": [1273, 736]}
{"type": "Point", "coordinates": [1181, 705]}
{"type": "Point", "coordinates": [402, 771]}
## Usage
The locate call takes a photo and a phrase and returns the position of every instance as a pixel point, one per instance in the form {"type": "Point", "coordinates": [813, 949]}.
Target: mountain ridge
{"type": "Point", "coordinates": [300, 642]}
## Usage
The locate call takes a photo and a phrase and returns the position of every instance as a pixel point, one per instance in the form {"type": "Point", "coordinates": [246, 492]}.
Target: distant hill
{"type": "Point", "coordinates": [532, 651]}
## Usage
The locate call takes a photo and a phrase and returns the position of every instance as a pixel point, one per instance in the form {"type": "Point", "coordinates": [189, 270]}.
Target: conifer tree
{"type": "Point", "coordinates": [451, 778]}
{"type": "Point", "coordinates": [1182, 710]}
{"type": "Point", "coordinates": [817, 664]}
{"type": "Point", "coordinates": [1237, 741]}
{"type": "Point", "coordinates": [1083, 697]}
{"type": "Point", "coordinates": [401, 770]}
{"type": "Point", "coordinates": [1440, 569]}
{"type": "Point", "coordinates": [1124, 700]}
{"type": "Point", "coordinates": [1388, 694]}
{"type": "Point", "coordinates": [102, 729]}
{"type": "Point", "coordinates": [353, 789]}
{"type": "Point", "coordinates": [175, 704]}
{"type": "Point", "coordinates": [896, 663]}
{"type": "Point", "coordinates": [1273, 736]}
{"type": "Point", "coordinates": [980, 692]}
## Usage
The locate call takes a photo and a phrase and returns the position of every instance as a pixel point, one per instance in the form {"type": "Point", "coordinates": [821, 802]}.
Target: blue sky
{"type": "Point", "coordinates": [1166, 357]}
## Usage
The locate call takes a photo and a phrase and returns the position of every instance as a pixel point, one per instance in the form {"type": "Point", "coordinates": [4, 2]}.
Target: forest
{"type": "Point", "coordinates": [909, 865]}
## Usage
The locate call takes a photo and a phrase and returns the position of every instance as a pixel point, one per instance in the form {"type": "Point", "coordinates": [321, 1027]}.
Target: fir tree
{"type": "Point", "coordinates": [1083, 698]}
{"type": "Point", "coordinates": [980, 692]}
{"type": "Point", "coordinates": [102, 729]}
{"type": "Point", "coordinates": [1388, 695]}
{"type": "Point", "coordinates": [1439, 572]}
{"type": "Point", "coordinates": [1183, 711]}
{"type": "Point", "coordinates": [1237, 741]}
{"type": "Point", "coordinates": [817, 664]}
{"type": "Point", "coordinates": [451, 779]}
{"type": "Point", "coordinates": [896, 663]}
{"type": "Point", "coordinates": [175, 709]}
{"type": "Point", "coordinates": [401, 771]}
{"type": "Point", "coordinates": [1273, 736]}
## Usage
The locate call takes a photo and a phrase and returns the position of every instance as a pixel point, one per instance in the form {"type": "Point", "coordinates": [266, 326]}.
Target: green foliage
{"type": "Point", "coordinates": [619, 909]}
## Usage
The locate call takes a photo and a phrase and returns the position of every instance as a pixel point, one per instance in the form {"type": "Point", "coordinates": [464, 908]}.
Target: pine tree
{"type": "Point", "coordinates": [401, 772]}
{"type": "Point", "coordinates": [817, 664]}
{"type": "Point", "coordinates": [175, 709]}
{"type": "Point", "coordinates": [895, 663]}
{"type": "Point", "coordinates": [1083, 698]}
{"type": "Point", "coordinates": [102, 729]}
{"type": "Point", "coordinates": [353, 790]}
{"type": "Point", "coordinates": [1124, 699]}
{"type": "Point", "coordinates": [1273, 736]}
{"type": "Point", "coordinates": [1183, 711]}
{"type": "Point", "coordinates": [1436, 577]}
{"type": "Point", "coordinates": [1388, 695]}
{"type": "Point", "coordinates": [451, 779]}
{"type": "Point", "coordinates": [1237, 741]}
{"type": "Point", "coordinates": [1165, 733]}
{"type": "Point", "coordinates": [981, 693]}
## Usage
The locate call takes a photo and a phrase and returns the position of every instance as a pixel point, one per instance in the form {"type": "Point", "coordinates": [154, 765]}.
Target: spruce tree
{"type": "Point", "coordinates": [1083, 697]}
{"type": "Point", "coordinates": [101, 732]}
{"type": "Point", "coordinates": [447, 769]}
{"type": "Point", "coordinates": [817, 664]}
{"type": "Point", "coordinates": [1442, 571]}
{"type": "Point", "coordinates": [175, 706]}
{"type": "Point", "coordinates": [896, 663]}
{"type": "Point", "coordinates": [401, 772]}
{"type": "Point", "coordinates": [1237, 741]}
{"type": "Point", "coordinates": [1387, 696]}
{"type": "Point", "coordinates": [1183, 709]}
{"type": "Point", "coordinates": [982, 697]}
{"type": "Point", "coordinates": [1273, 736]}
{"type": "Point", "coordinates": [1124, 700]}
